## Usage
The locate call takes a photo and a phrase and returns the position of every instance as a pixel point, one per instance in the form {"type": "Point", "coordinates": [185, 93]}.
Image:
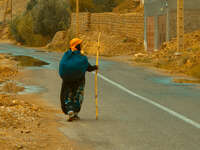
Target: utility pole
{"type": "Point", "coordinates": [6, 10]}
{"type": "Point", "coordinates": [180, 25]}
{"type": "Point", "coordinates": [11, 7]}
{"type": "Point", "coordinates": [167, 27]}
{"type": "Point", "coordinates": [77, 18]}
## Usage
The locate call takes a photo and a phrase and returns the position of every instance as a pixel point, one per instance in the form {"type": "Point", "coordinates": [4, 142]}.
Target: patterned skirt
{"type": "Point", "coordinates": [72, 95]}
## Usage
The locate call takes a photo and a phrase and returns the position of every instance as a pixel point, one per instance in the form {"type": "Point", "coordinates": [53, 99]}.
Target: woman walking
{"type": "Point", "coordinates": [72, 69]}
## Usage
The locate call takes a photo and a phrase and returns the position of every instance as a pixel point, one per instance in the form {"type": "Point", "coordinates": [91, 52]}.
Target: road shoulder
{"type": "Point", "coordinates": [26, 121]}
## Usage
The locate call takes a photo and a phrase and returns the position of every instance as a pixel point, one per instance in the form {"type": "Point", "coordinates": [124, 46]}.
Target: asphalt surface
{"type": "Point", "coordinates": [139, 109]}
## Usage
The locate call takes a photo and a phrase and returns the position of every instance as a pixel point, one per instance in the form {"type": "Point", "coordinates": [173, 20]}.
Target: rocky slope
{"type": "Point", "coordinates": [186, 61]}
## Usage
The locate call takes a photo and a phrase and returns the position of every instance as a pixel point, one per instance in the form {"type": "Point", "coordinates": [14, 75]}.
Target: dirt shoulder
{"type": "Point", "coordinates": [26, 122]}
{"type": "Point", "coordinates": [27, 125]}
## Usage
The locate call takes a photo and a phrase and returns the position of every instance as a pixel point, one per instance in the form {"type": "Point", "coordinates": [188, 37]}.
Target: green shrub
{"type": "Point", "coordinates": [31, 4]}
{"type": "Point", "coordinates": [106, 5]}
{"type": "Point", "coordinates": [94, 5]}
{"type": "Point", "coordinates": [14, 31]}
{"type": "Point", "coordinates": [22, 30]}
{"type": "Point", "coordinates": [40, 22]}
{"type": "Point", "coordinates": [50, 16]}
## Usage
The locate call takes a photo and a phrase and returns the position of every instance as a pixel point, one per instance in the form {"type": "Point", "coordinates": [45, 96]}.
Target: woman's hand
{"type": "Point", "coordinates": [97, 67]}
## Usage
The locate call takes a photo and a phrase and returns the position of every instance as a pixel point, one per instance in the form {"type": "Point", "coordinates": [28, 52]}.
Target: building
{"type": "Point", "coordinates": [160, 20]}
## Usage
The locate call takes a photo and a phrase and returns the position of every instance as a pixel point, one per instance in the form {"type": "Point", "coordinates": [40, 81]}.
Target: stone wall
{"type": "Point", "coordinates": [130, 25]}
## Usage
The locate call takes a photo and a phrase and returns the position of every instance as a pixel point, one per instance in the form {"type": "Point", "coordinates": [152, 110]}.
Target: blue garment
{"type": "Point", "coordinates": [73, 66]}
{"type": "Point", "coordinates": [74, 94]}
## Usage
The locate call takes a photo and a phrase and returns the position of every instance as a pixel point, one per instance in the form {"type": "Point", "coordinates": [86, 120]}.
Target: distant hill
{"type": "Point", "coordinates": [99, 5]}
{"type": "Point", "coordinates": [120, 6]}
{"type": "Point", "coordinates": [127, 6]}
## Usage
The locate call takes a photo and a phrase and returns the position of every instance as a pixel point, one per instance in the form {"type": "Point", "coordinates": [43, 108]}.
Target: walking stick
{"type": "Point", "coordinates": [96, 77]}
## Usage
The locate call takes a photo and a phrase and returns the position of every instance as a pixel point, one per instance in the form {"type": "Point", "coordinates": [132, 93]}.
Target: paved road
{"type": "Point", "coordinates": [139, 109]}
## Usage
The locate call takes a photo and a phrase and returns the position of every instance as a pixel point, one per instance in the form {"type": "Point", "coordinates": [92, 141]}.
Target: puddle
{"type": "Point", "coordinates": [32, 89]}
{"type": "Point", "coordinates": [51, 58]}
{"type": "Point", "coordinates": [23, 61]}
{"type": "Point", "coordinates": [174, 81]}
{"type": "Point", "coordinates": [11, 87]}
{"type": "Point", "coordinates": [41, 51]}
{"type": "Point", "coordinates": [27, 61]}
{"type": "Point", "coordinates": [27, 89]}
{"type": "Point", "coordinates": [183, 80]}
{"type": "Point", "coordinates": [3, 48]}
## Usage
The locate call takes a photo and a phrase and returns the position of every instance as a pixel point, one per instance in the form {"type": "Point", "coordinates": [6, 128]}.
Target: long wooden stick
{"type": "Point", "coordinates": [77, 18]}
{"type": "Point", "coordinates": [96, 77]}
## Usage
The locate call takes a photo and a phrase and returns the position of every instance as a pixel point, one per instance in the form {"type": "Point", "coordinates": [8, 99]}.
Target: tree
{"type": "Point", "coordinates": [50, 16]}
{"type": "Point", "coordinates": [31, 4]}
{"type": "Point", "coordinates": [106, 5]}
{"type": "Point", "coordinates": [94, 5]}
{"type": "Point", "coordinates": [40, 22]}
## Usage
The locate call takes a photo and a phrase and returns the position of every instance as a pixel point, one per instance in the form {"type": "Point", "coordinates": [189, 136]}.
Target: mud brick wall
{"type": "Point", "coordinates": [130, 25]}
{"type": "Point", "coordinates": [84, 19]}
{"type": "Point", "coordinates": [191, 21]}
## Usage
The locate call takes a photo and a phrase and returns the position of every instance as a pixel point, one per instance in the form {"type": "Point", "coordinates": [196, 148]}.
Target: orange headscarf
{"type": "Point", "coordinates": [74, 42]}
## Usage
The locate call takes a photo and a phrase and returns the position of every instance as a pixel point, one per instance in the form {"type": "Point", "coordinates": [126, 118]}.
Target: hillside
{"type": "Point", "coordinates": [19, 6]}
{"type": "Point", "coordinates": [107, 5]}
{"type": "Point", "coordinates": [127, 6]}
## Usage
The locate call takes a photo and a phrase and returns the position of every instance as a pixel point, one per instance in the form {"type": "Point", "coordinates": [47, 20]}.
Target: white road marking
{"type": "Point", "coordinates": [185, 119]}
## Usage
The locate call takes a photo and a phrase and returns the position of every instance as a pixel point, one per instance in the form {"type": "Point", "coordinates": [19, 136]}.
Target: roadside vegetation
{"type": "Point", "coordinates": [39, 23]}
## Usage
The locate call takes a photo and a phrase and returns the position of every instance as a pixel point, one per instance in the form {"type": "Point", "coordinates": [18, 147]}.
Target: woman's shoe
{"type": "Point", "coordinates": [76, 117]}
{"type": "Point", "coordinates": [70, 115]}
